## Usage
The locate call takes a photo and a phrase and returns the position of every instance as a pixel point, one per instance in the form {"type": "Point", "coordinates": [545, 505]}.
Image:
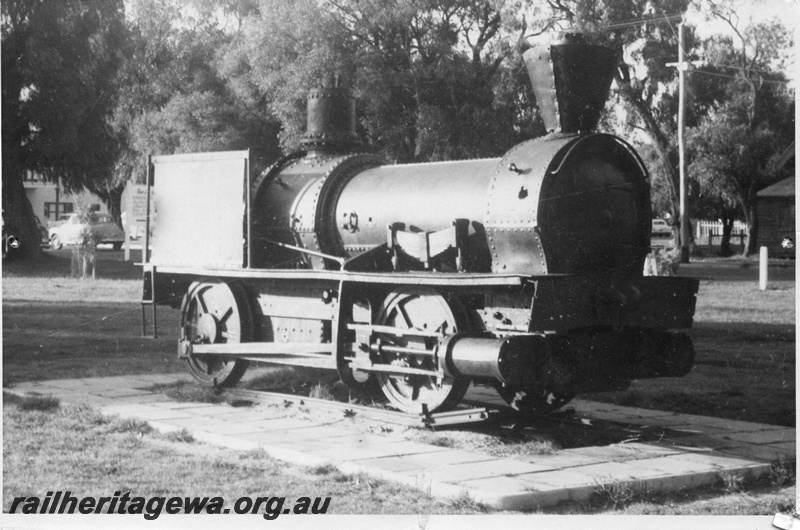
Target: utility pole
{"type": "Point", "coordinates": [684, 188]}
{"type": "Point", "coordinates": [681, 155]}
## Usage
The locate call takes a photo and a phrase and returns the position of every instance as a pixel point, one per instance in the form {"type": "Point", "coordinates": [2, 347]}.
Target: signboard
{"type": "Point", "coordinates": [198, 210]}
{"type": "Point", "coordinates": [134, 216]}
{"type": "Point", "coordinates": [138, 200]}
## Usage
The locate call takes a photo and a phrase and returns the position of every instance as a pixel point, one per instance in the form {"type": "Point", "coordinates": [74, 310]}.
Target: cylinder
{"type": "Point", "coordinates": [763, 269]}
{"type": "Point", "coordinates": [508, 360]}
{"type": "Point", "coordinates": [466, 356]}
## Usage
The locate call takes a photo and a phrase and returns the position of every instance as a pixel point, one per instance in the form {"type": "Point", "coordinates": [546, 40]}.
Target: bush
{"type": "Point", "coordinates": [667, 261]}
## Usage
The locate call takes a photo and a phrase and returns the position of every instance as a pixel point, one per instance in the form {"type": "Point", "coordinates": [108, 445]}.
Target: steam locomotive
{"type": "Point", "coordinates": [524, 272]}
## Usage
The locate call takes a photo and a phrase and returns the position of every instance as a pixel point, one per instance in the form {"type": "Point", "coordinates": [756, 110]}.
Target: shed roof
{"type": "Point", "coordinates": [783, 188]}
{"type": "Point", "coordinates": [782, 160]}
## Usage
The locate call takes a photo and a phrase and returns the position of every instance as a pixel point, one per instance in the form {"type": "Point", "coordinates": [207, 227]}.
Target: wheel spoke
{"type": "Point", "coordinates": [210, 367]}
{"type": "Point", "coordinates": [202, 302]}
{"type": "Point", "coordinates": [225, 317]}
{"type": "Point", "coordinates": [402, 311]}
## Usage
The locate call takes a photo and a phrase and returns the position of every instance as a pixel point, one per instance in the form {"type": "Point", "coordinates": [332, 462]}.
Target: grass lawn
{"type": "Point", "coordinates": [81, 338]}
{"type": "Point", "coordinates": [57, 327]}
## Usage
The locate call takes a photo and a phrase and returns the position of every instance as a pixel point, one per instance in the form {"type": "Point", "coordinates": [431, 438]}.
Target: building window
{"type": "Point", "coordinates": [64, 208]}
{"type": "Point", "coordinates": [30, 176]}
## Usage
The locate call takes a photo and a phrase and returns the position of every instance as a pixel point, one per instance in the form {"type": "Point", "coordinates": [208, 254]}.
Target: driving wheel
{"type": "Point", "coordinates": [422, 310]}
{"type": "Point", "coordinates": [215, 313]}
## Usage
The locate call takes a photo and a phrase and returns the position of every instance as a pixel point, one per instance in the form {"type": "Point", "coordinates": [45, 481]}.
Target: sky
{"type": "Point", "coordinates": [787, 11]}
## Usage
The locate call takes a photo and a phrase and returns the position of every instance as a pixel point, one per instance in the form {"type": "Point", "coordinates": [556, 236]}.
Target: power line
{"type": "Point", "coordinates": [735, 77]}
{"type": "Point", "coordinates": [639, 21]}
{"type": "Point", "coordinates": [680, 44]}
{"type": "Point", "coordinates": [720, 65]}
{"type": "Point", "coordinates": [740, 68]}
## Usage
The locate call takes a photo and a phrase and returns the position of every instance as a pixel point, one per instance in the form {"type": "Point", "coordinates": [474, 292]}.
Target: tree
{"type": "Point", "coordinates": [435, 79]}
{"type": "Point", "coordinates": [59, 63]}
{"type": "Point", "coordinates": [730, 161]}
{"type": "Point", "coordinates": [174, 97]}
{"type": "Point", "coordinates": [749, 119]}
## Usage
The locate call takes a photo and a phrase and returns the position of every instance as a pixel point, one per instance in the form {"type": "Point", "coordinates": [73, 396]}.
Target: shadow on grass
{"type": "Point", "coordinates": [51, 340]}
{"type": "Point", "coordinates": [32, 402]}
{"type": "Point", "coordinates": [743, 371]}
{"type": "Point", "coordinates": [737, 270]}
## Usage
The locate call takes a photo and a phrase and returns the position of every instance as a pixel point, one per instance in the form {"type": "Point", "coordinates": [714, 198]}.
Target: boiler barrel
{"type": "Point", "coordinates": [414, 197]}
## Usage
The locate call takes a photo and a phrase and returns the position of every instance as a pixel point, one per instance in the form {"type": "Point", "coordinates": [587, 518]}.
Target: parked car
{"type": "Point", "coordinates": [70, 231]}
{"type": "Point", "coordinates": [661, 228]}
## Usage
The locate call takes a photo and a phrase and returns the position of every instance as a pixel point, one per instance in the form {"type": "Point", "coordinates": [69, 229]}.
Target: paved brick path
{"type": "Point", "coordinates": [699, 450]}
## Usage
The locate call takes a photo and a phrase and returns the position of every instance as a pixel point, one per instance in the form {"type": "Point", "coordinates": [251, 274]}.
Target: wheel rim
{"type": "Point", "coordinates": [424, 310]}
{"type": "Point", "coordinates": [55, 242]}
{"type": "Point", "coordinates": [214, 313]}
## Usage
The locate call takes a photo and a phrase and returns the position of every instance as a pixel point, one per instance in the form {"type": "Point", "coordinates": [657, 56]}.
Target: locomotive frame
{"type": "Point", "coordinates": [509, 285]}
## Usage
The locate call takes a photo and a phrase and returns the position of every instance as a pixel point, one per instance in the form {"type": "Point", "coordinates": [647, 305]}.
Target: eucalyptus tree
{"type": "Point", "coordinates": [59, 64]}
{"type": "Point", "coordinates": [748, 117]}
{"type": "Point", "coordinates": [175, 97]}
{"type": "Point", "coordinates": [435, 79]}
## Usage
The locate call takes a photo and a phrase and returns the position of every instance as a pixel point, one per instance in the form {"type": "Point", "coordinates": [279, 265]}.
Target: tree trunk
{"type": "Point", "coordinates": [751, 218]}
{"type": "Point", "coordinates": [727, 229]}
{"type": "Point", "coordinates": [113, 200]}
{"type": "Point", "coordinates": [19, 220]}
{"type": "Point", "coordinates": [114, 203]}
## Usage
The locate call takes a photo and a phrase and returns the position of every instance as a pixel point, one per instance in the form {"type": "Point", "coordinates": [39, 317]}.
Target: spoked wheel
{"type": "Point", "coordinates": [214, 313]}
{"type": "Point", "coordinates": [423, 310]}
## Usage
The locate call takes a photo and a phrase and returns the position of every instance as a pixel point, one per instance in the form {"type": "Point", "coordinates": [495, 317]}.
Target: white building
{"type": "Point", "coordinates": [50, 202]}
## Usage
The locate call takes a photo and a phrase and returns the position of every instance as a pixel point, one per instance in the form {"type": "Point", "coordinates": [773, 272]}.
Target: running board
{"type": "Point", "coordinates": [256, 349]}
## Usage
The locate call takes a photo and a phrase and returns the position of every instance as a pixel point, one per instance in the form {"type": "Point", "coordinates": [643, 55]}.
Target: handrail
{"type": "Point", "coordinates": [337, 259]}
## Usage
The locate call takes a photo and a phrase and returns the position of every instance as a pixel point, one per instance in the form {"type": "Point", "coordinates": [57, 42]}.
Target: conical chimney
{"type": "Point", "coordinates": [570, 79]}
